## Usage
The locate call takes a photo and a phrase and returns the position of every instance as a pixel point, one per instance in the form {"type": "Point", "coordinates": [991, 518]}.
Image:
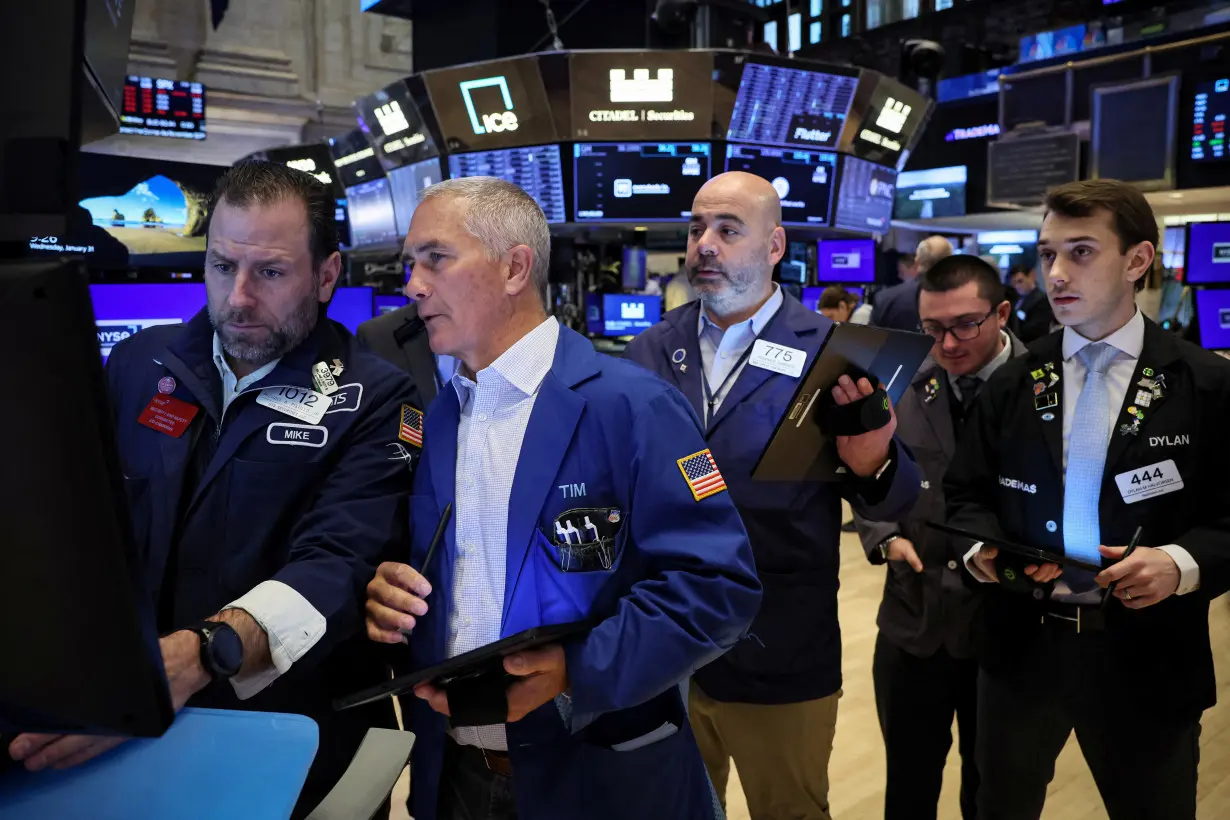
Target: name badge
{"type": "Point", "coordinates": [1148, 482]}
{"type": "Point", "coordinates": [297, 435]}
{"type": "Point", "coordinates": [780, 359]}
{"type": "Point", "coordinates": [322, 379]}
{"type": "Point", "coordinates": [296, 402]}
{"type": "Point", "coordinates": [168, 415]}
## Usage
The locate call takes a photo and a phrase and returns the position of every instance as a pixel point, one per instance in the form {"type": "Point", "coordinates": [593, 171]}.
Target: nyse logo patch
{"type": "Point", "coordinates": [297, 435]}
{"type": "Point", "coordinates": [1169, 441]}
{"type": "Point", "coordinates": [1014, 484]}
{"type": "Point", "coordinates": [347, 399]}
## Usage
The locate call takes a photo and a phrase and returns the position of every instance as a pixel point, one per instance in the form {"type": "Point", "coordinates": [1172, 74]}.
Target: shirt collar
{"type": "Point", "coordinates": [756, 324]}
{"type": "Point", "coordinates": [1129, 339]}
{"type": "Point", "coordinates": [225, 370]}
{"type": "Point", "coordinates": [1000, 358]}
{"type": "Point", "coordinates": [523, 366]}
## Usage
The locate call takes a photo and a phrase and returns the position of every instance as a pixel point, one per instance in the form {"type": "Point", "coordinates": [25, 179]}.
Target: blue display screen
{"type": "Point", "coordinates": [1213, 315]}
{"type": "Point", "coordinates": [624, 315]}
{"type": "Point", "coordinates": [1208, 253]}
{"type": "Point", "coordinates": [387, 303]}
{"type": "Point", "coordinates": [846, 260]}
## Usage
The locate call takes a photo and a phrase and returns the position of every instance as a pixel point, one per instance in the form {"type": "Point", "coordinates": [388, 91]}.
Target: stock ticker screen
{"type": "Point", "coordinates": [865, 196]}
{"type": "Point", "coordinates": [791, 106]}
{"type": "Point", "coordinates": [163, 108]}
{"type": "Point", "coordinates": [1212, 106]}
{"type": "Point", "coordinates": [536, 169]}
{"type": "Point", "coordinates": [804, 180]}
{"type": "Point", "coordinates": [639, 181]}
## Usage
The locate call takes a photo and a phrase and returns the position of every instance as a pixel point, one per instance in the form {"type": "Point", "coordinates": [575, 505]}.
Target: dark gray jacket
{"type": "Point", "coordinates": [400, 338]}
{"type": "Point", "coordinates": [921, 612]}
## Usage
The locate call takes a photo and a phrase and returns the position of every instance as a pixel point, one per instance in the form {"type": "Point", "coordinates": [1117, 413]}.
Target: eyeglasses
{"type": "Point", "coordinates": [962, 332]}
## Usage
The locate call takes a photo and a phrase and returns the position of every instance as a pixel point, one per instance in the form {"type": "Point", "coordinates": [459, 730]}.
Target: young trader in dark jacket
{"type": "Point", "coordinates": [924, 669]}
{"type": "Point", "coordinates": [266, 477]}
{"type": "Point", "coordinates": [1032, 316]}
{"type": "Point", "coordinates": [771, 702]}
{"type": "Point", "coordinates": [1109, 426]}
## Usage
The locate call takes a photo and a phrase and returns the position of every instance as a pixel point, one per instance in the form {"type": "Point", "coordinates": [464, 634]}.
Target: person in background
{"type": "Point", "coordinates": [837, 303]}
{"type": "Point", "coordinates": [678, 291]}
{"type": "Point", "coordinates": [581, 489]}
{"type": "Point", "coordinates": [259, 528]}
{"type": "Point", "coordinates": [924, 668]}
{"type": "Point", "coordinates": [1107, 430]}
{"type": "Point", "coordinates": [897, 307]}
{"type": "Point", "coordinates": [770, 703]}
{"type": "Point", "coordinates": [400, 338]}
{"type": "Point", "coordinates": [1031, 309]}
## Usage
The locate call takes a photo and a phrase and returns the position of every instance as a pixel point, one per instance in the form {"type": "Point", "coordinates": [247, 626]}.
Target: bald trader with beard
{"type": "Point", "coordinates": [770, 703]}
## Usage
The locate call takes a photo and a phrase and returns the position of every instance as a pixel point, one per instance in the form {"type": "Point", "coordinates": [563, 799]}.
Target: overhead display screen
{"type": "Point", "coordinates": [865, 196]}
{"type": "Point", "coordinates": [313, 158]}
{"type": "Point", "coordinates": [1208, 127]}
{"type": "Point", "coordinates": [163, 108]}
{"type": "Point", "coordinates": [1147, 158]}
{"type": "Point", "coordinates": [537, 170]}
{"type": "Point", "coordinates": [372, 220]}
{"type": "Point", "coordinates": [491, 105]}
{"type": "Point", "coordinates": [805, 180]}
{"type": "Point", "coordinates": [407, 184]}
{"type": "Point", "coordinates": [354, 158]}
{"type": "Point", "coordinates": [894, 118]}
{"type": "Point", "coordinates": [394, 127]}
{"type": "Point", "coordinates": [638, 181]}
{"type": "Point", "coordinates": [626, 94]}
{"type": "Point", "coordinates": [931, 193]}
{"type": "Point", "coordinates": [791, 106]}
{"type": "Point", "coordinates": [1213, 315]}
{"type": "Point", "coordinates": [1208, 253]}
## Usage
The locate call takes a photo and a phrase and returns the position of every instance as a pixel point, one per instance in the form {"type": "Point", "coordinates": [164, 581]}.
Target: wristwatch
{"type": "Point", "coordinates": [221, 649]}
{"type": "Point", "coordinates": [884, 546]}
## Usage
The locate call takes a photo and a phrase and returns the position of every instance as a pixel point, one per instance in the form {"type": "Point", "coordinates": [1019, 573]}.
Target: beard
{"type": "Point", "coordinates": [276, 342]}
{"type": "Point", "coordinates": [734, 289]}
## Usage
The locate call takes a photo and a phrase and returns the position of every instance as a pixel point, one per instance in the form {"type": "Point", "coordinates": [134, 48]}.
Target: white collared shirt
{"type": "Point", "coordinates": [1129, 340]}
{"type": "Point", "coordinates": [495, 412]}
{"type": "Point", "coordinates": [988, 370]}
{"type": "Point", "coordinates": [721, 351]}
{"type": "Point", "coordinates": [291, 623]}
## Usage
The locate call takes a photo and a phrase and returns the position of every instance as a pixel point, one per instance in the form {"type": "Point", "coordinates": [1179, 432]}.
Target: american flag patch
{"type": "Point", "coordinates": [411, 426]}
{"type": "Point", "coordinates": [701, 473]}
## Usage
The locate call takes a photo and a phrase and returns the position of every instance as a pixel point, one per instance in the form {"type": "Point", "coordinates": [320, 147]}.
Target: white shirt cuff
{"type": "Point", "coordinates": [1189, 570]}
{"type": "Point", "coordinates": [973, 568]}
{"type": "Point", "coordinates": [292, 624]}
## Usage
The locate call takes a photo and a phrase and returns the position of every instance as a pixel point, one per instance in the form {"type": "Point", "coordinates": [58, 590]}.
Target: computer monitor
{"type": "Point", "coordinates": [387, 303]}
{"type": "Point", "coordinates": [628, 315]}
{"type": "Point", "coordinates": [1208, 253]}
{"type": "Point", "coordinates": [804, 180]}
{"type": "Point", "coordinates": [638, 182]}
{"type": "Point", "coordinates": [121, 311]}
{"type": "Point", "coordinates": [846, 260]}
{"type": "Point", "coordinates": [351, 307]}
{"type": "Point", "coordinates": [535, 169]}
{"type": "Point", "coordinates": [76, 574]}
{"type": "Point", "coordinates": [865, 196]}
{"type": "Point", "coordinates": [372, 219]}
{"type": "Point", "coordinates": [931, 193]}
{"type": "Point", "coordinates": [407, 184]}
{"type": "Point", "coordinates": [1213, 317]}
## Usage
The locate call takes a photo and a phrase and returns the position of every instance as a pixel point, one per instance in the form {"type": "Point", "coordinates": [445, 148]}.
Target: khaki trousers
{"type": "Point", "coordinates": [781, 752]}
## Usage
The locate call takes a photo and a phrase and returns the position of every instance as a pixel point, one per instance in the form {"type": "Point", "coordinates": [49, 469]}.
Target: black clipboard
{"type": "Point", "coordinates": [1035, 554]}
{"type": "Point", "coordinates": [485, 660]}
{"type": "Point", "coordinates": [799, 450]}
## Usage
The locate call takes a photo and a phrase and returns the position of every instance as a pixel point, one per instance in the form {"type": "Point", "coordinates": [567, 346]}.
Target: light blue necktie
{"type": "Point", "coordinates": [1087, 443]}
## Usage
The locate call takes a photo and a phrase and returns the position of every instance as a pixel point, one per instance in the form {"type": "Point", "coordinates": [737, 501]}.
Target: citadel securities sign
{"type": "Point", "coordinates": [652, 95]}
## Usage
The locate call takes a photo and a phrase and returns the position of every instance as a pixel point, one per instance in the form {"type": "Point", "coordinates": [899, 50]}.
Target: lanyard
{"type": "Point", "coordinates": [711, 397]}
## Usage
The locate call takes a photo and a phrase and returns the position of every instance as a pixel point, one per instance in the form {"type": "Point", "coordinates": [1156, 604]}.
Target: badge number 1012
{"type": "Point", "coordinates": [296, 402]}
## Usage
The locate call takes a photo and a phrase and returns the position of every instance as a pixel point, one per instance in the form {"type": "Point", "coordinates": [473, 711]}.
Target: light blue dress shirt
{"type": "Point", "coordinates": [495, 411]}
{"type": "Point", "coordinates": [721, 352]}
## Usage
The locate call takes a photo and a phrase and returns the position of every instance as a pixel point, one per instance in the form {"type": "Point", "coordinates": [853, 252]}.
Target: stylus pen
{"type": "Point", "coordinates": [1131, 547]}
{"type": "Point", "coordinates": [437, 538]}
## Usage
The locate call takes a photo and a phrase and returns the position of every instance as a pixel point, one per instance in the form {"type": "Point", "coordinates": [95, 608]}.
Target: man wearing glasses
{"type": "Point", "coordinates": [924, 669]}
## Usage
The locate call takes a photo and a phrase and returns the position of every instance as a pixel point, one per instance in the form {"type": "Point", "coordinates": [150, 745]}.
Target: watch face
{"type": "Point", "coordinates": [226, 650]}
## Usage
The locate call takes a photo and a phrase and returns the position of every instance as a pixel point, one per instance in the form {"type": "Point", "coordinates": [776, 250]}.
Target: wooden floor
{"type": "Point", "coordinates": [857, 768]}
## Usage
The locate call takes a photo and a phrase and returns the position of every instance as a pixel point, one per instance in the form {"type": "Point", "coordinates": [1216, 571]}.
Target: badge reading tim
{"type": "Point", "coordinates": [701, 473]}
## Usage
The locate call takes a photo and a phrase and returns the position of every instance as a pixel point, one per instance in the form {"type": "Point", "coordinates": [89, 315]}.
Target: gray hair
{"type": "Point", "coordinates": [931, 250]}
{"type": "Point", "coordinates": [501, 216]}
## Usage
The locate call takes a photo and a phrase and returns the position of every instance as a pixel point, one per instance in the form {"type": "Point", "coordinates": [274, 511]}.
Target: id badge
{"type": "Point", "coordinates": [297, 402]}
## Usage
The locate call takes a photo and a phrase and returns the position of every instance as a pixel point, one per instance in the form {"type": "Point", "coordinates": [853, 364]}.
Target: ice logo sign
{"type": "Point", "coordinates": [632, 310]}
{"type": "Point", "coordinates": [893, 116]}
{"type": "Point", "coordinates": [494, 122]}
{"type": "Point", "coordinates": [642, 89]}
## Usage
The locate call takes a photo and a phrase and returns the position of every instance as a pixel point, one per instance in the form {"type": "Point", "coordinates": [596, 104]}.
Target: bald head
{"type": "Point", "coordinates": [735, 239]}
{"type": "Point", "coordinates": [931, 250]}
{"type": "Point", "coordinates": [755, 195]}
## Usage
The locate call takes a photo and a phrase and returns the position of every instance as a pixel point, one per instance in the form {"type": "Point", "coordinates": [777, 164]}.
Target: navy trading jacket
{"type": "Point", "coordinates": [270, 497]}
{"type": "Point", "coordinates": [674, 589]}
{"type": "Point", "coordinates": [793, 651]}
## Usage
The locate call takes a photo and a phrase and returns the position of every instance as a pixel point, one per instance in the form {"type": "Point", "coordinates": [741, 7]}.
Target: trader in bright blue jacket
{"type": "Point", "coordinates": [771, 702]}
{"type": "Point", "coordinates": [267, 476]}
{"type": "Point", "coordinates": [582, 489]}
